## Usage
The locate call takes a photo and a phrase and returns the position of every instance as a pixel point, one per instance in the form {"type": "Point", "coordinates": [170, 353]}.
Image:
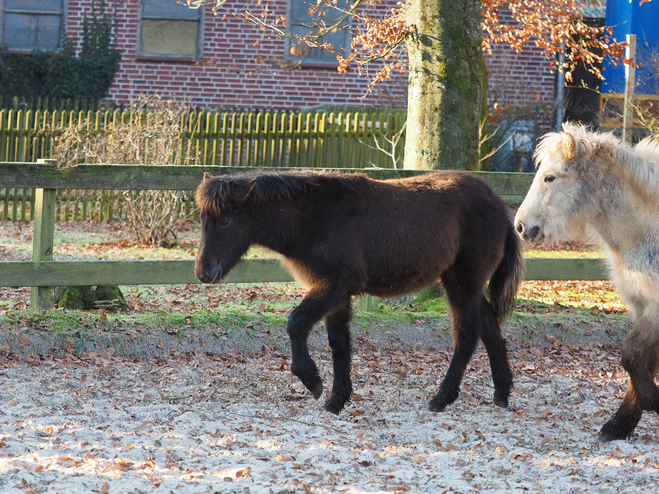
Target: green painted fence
{"type": "Point", "coordinates": [46, 178]}
{"type": "Point", "coordinates": [247, 138]}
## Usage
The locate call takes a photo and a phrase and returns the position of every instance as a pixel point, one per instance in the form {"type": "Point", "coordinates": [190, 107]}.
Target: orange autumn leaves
{"type": "Point", "coordinates": [558, 27]}
{"type": "Point", "coordinates": [379, 32]}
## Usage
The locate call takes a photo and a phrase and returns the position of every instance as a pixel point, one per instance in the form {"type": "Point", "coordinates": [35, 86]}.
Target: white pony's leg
{"type": "Point", "coordinates": [640, 358]}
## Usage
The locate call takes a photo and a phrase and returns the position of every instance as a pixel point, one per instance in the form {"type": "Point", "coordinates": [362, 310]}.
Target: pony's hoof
{"type": "Point", "coordinates": [500, 401]}
{"type": "Point", "coordinates": [333, 405]}
{"type": "Point", "coordinates": [436, 405]}
{"type": "Point", "coordinates": [440, 401]}
{"type": "Point", "coordinates": [605, 438]}
{"type": "Point", "coordinates": [317, 390]}
{"type": "Point", "coordinates": [614, 430]}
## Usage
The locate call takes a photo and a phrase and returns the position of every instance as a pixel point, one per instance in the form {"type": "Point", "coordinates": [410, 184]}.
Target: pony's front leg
{"type": "Point", "coordinates": [312, 309]}
{"type": "Point", "coordinates": [338, 333]}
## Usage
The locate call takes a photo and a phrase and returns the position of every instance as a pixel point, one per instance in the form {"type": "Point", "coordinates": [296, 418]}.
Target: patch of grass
{"type": "Point", "coordinates": [78, 237]}
{"type": "Point", "coordinates": [84, 323]}
{"type": "Point", "coordinates": [564, 254]}
{"type": "Point", "coordinates": [598, 296]}
{"type": "Point", "coordinates": [525, 307]}
{"type": "Point", "coordinates": [390, 313]}
{"type": "Point", "coordinates": [250, 313]}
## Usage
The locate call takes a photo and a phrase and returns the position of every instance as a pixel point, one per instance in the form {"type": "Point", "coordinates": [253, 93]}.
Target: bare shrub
{"type": "Point", "coordinates": [150, 132]}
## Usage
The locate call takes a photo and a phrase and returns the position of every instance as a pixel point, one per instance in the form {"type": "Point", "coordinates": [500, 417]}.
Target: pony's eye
{"type": "Point", "coordinates": [549, 179]}
{"type": "Point", "coordinates": [224, 222]}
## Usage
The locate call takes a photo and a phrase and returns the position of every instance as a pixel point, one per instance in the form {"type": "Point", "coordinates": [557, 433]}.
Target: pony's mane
{"type": "Point", "coordinates": [586, 143]}
{"type": "Point", "coordinates": [639, 164]}
{"type": "Point", "coordinates": [216, 194]}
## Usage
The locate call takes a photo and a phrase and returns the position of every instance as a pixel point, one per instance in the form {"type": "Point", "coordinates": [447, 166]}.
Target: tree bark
{"type": "Point", "coordinates": [445, 91]}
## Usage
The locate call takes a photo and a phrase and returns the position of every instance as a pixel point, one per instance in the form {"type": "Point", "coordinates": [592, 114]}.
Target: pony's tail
{"type": "Point", "coordinates": [502, 290]}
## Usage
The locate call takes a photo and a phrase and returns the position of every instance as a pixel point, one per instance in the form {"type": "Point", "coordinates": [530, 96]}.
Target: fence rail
{"type": "Point", "coordinates": [174, 272]}
{"type": "Point", "coordinates": [42, 272]}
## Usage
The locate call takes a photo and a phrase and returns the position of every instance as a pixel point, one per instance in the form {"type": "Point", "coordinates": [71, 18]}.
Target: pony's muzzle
{"type": "Point", "coordinates": [529, 234]}
{"type": "Point", "coordinates": [209, 273]}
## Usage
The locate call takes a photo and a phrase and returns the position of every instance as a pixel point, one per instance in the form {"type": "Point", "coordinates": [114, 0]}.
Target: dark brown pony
{"type": "Point", "coordinates": [345, 235]}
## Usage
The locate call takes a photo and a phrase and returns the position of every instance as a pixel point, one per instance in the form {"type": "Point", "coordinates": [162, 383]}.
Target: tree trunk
{"type": "Point", "coordinates": [445, 92]}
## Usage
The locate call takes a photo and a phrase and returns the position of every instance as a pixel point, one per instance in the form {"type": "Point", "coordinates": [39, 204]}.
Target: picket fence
{"type": "Point", "coordinates": [268, 139]}
{"type": "Point", "coordinates": [247, 138]}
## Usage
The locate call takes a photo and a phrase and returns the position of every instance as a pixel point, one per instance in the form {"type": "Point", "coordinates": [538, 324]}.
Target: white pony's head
{"type": "Point", "coordinates": [559, 203]}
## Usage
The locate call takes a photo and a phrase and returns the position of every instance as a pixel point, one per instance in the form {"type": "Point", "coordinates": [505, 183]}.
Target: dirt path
{"type": "Point", "coordinates": [238, 424]}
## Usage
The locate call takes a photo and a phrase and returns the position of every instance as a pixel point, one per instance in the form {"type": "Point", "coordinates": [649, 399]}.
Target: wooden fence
{"type": "Point", "coordinates": [270, 139]}
{"type": "Point", "coordinates": [260, 139]}
{"type": "Point", "coordinates": [612, 108]}
{"type": "Point", "coordinates": [44, 272]}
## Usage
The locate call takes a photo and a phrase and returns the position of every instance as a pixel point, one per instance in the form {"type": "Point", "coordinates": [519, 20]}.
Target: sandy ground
{"type": "Point", "coordinates": [242, 424]}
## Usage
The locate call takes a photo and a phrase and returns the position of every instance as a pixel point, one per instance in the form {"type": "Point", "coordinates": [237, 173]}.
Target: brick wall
{"type": "Point", "coordinates": [229, 75]}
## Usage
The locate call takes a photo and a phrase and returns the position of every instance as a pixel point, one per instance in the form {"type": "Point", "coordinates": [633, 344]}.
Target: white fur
{"type": "Point", "coordinates": [609, 192]}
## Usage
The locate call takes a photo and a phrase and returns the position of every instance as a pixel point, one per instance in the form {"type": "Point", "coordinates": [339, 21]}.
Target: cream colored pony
{"type": "Point", "coordinates": [593, 185]}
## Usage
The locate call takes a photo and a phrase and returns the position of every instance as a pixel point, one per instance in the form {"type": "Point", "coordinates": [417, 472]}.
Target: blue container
{"type": "Point", "coordinates": [628, 17]}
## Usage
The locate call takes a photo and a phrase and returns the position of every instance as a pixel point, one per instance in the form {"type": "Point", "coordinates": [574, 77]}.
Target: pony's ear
{"type": "Point", "coordinates": [569, 146]}
{"type": "Point", "coordinates": [244, 189]}
{"type": "Point", "coordinates": [207, 176]}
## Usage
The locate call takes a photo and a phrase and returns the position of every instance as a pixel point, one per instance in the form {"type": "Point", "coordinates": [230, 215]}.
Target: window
{"type": "Point", "coordinates": [170, 30]}
{"type": "Point", "coordinates": [28, 25]}
{"type": "Point", "coordinates": [301, 21]}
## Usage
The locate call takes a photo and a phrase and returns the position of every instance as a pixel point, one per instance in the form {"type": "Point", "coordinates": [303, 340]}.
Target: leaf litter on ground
{"type": "Point", "coordinates": [241, 423]}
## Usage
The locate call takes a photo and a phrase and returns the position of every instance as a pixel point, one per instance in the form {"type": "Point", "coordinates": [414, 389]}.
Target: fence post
{"type": "Point", "coordinates": [630, 84]}
{"type": "Point", "coordinates": [42, 241]}
{"type": "Point", "coordinates": [367, 303]}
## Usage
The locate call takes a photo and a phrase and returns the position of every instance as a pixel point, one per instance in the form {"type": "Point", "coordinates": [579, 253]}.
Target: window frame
{"type": "Point", "coordinates": [63, 14]}
{"type": "Point", "coordinates": [309, 61]}
{"type": "Point", "coordinates": [165, 56]}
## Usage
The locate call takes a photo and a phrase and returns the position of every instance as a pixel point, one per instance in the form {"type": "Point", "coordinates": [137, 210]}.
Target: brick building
{"type": "Point", "coordinates": [228, 65]}
{"type": "Point", "coordinates": [221, 62]}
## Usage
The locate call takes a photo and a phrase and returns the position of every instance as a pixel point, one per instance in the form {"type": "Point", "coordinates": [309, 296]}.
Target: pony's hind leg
{"type": "Point", "coordinates": [640, 358]}
{"type": "Point", "coordinates": [315, 305]}
{"type": "Point", "coordinates": [338, 333]}
{"type": "Point", "coordinates": [495, 345]}
{"type": "Point", "coordinates": [466, 317]}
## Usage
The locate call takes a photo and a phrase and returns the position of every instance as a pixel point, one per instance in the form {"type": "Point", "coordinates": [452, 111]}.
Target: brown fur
{"type": "Point", "coordinates": [345, 235]}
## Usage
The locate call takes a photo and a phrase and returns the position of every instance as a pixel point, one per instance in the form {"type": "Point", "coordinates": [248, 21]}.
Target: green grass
{"type": "Point", "coordinates": [85, 324]}
{"type": "Point", "coordinates": [564, 254]}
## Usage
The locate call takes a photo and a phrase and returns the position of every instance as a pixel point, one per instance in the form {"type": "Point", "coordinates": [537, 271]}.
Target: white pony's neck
{"type": "Point", "coordinates": [620, 212]}
{"type": "Point", "coordinates": [624, 214]}
{"type": "Point", "coordinates": [640, 166]}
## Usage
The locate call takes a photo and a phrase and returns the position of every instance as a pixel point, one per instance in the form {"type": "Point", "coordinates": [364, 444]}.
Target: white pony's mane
{"type": "Point", "coordinates": [638, 164]}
